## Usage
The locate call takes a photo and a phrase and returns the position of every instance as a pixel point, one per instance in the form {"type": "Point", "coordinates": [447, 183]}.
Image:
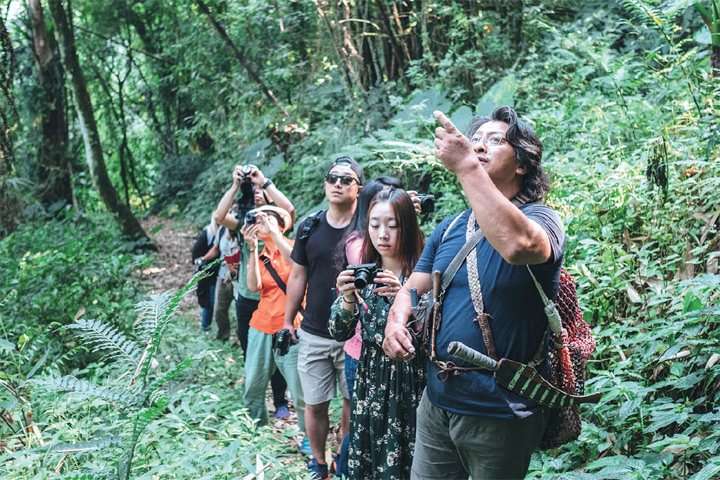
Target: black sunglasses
{"type": "Point", "coordinates": [332, 179]}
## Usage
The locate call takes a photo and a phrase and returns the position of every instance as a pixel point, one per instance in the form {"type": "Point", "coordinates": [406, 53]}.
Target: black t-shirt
{"type": "Point", "coordinates": [316, 253]}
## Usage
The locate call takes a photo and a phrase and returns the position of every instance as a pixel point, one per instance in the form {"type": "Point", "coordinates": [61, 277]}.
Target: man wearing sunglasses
{"type": "Point", "coordinates": [321, 360]}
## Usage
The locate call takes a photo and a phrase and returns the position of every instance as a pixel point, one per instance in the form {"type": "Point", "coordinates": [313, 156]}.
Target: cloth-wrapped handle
{"type": "Point", "coordinates": [463, 352]}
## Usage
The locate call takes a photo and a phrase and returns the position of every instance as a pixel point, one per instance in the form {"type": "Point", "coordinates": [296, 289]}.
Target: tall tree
{"type": "Point", "coordinates": [55, 182]}
{"type": "Point", "coordinates": [8, 213]}
{"type": "Point", "coordinates": [86, 119]}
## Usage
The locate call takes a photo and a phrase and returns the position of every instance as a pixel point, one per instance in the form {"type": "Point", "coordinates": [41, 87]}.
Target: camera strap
{"type": "Point", "coordinates": [280, 283]}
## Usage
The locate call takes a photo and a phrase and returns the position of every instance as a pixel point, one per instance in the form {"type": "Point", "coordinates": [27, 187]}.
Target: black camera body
{"type": "Point", "coordinates": [282, 342]}
{"type": "Point", "coordinates": [364, 274]}
{"type": "Point", "coordinates": [427, 202]}
{"type": "Point", "coordinates": [251, 217]}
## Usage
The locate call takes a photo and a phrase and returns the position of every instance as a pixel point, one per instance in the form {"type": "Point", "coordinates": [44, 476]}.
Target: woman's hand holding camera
{"type": "Point", "coordinates": [268, 223]}
{"type": "Point", "coordinates": [249, 233]}
{"type": "Point", "coordinates": [346, 287]}
{"type": "Point", "coordinates": [389, 285]}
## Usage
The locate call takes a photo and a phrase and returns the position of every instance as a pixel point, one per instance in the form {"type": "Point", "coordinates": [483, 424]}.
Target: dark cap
{"type": "Point", "coordinates": [349, 162]}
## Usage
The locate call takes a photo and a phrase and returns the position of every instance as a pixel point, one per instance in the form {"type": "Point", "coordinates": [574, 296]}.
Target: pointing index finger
{"type": "Point", "coordinates": [445, 121]}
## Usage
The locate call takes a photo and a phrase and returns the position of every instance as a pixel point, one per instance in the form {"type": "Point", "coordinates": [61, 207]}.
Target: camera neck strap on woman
{"type": "Point", "coordinates": [279, 281]}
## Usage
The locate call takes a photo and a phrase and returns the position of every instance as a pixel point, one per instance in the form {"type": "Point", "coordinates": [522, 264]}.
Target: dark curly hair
{"type": "Point", "coordinates": [528, 150]}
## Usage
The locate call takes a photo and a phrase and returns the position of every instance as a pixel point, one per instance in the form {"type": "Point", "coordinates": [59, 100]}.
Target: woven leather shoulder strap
{"type": "Point", "coordinates": [454, 266]}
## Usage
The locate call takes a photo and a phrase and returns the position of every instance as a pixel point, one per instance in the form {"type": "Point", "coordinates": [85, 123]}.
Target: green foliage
{"type": "Point", "coordinates": [619, 92]}
{"type": "Point", "coordinates": [193, 411]}
{"type": "Point", "coordinates": [175, 180]}
{"type": "Point", "coordinates": [140, 402]}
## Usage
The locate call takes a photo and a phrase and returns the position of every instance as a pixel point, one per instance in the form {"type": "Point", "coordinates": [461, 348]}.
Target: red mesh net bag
{"type": "Point", "coordinates": [568, 363]}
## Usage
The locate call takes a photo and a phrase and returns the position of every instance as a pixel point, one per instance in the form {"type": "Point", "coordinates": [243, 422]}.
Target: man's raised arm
{"type": "Point", "coordinates": [222, 212]}
{"type": "Point", "coordinates": [517, 238]}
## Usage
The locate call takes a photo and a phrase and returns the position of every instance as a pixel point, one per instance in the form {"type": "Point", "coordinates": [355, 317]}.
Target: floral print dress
{"type": "Point", "coordinates": [387, 394]}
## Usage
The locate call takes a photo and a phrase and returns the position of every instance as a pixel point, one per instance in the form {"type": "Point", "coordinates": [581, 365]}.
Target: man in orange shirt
{"type": "Point", "coordinates": [267, 274]}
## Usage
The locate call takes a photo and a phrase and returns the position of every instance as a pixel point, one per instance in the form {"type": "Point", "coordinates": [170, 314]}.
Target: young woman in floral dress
{"type": "Point", "coordinates": [387, 392]}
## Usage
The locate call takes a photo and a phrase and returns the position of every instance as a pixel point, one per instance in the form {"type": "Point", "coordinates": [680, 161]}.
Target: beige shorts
{"type": "Point", "coordinates": [321, 367]}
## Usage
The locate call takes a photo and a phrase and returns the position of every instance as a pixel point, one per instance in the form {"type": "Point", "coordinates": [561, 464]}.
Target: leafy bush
{"type": "Point", "coordinates": [135, 413]}
{"type": "Point", "coordinates": [83, 265]}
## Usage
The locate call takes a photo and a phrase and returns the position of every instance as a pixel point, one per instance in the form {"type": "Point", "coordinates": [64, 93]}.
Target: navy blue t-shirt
{"type": "Point", "coordinates": [518, 321]}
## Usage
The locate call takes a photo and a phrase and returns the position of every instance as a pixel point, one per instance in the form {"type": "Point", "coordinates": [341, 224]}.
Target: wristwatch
{"type": "Point", "coordinates": [267, 184]}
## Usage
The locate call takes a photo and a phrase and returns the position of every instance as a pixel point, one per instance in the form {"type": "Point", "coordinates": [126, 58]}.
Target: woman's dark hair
{"type": "Point", "coordinates": [528, 149]}
{"type": "Point", "coordinates": [357, 222]}
{"type": "Point", "coordinates": [410, 240]}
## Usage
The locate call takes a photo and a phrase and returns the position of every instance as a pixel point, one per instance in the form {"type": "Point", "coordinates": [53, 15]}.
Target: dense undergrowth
{"type": "Point", "coordinates": [622, 97]}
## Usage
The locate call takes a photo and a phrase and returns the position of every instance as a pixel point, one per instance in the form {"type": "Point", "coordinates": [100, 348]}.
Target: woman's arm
{"type": "Point", "coordinates": [342, 321]}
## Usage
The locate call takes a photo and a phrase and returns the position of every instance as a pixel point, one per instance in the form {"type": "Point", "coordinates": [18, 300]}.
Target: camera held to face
{"type": "Point", "coordinates": [427, 202]}
{"type": "Point", "coordinates": [246, 172]}
{"type": "Point", "coordinates": [282, 341]}
{"type": "Point", "coordinates": [364, 274]}
{"type": "Point", "coordinates": [251, 217]}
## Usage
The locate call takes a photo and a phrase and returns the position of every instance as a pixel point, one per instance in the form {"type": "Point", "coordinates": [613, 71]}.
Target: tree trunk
{"type": "Point", "coordinates": [715, 61]}
{"type": "Point", "coordinates": [86, 119]}
{"type": "Point", "coordinates": [53, 169]}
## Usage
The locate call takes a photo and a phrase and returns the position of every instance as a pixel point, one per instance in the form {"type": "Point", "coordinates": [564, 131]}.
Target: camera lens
{"type": "Point", "coordinates": [250, 218]}
{"type": "Point", "coordinates": [361, 278]}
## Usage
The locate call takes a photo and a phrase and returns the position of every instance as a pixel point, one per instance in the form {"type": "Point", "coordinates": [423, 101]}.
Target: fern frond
{"type": "Point", "coordinates": [77, 447]}
{"type": "Point", "coordinates": [142, 420]}
{"type": "Point", "coordinates": [90, 390]}
{"type": "Point", "coordinates": [164, 315]}
{"type": "Point", "coordinates": [147, 393]}
{"type": "Point", "coordinates": [150, 312]}
{"type": "Point", "coordinates": [101, 336]}
{"type": "Point", "coordinates": [643, 13]}
{"type": "Point", "coordinates": [94, 475]}
{"type": "Point", "coordinates": [12, 295]}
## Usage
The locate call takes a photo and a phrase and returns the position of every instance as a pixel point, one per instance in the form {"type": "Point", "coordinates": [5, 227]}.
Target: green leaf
{"type": "Point", "coordinates": [707, 472]}
{"type": "Point", "coordinates": [5, 345]}
{"type": "Point", "coordinates": [502, 93]}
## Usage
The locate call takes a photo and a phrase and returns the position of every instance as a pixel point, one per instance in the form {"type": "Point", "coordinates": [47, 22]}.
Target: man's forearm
{"type": "Point", "coordinates": [281, 200]}
{"type": "Point", "coordinates": [401, 308]}
{"type": "Point", "coordinates": [294, 295]}
{"type": "Point", "coordinates": [517, 238]}
{"type": "Point", "coordinates": [223, 207]}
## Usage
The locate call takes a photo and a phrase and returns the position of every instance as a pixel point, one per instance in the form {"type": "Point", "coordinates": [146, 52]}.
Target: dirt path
{"type": "Point", "coordinates": [173, 268]}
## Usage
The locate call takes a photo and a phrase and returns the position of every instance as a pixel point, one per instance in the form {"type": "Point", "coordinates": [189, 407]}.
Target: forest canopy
{"type": "Point", "coordinates": [113, 112]}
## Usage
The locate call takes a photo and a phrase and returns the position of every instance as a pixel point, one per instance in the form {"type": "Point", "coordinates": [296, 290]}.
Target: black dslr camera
{"type": "Point", "coordinates": [282, 341]}
{"type": "Point", "coordinates": [245, 171]}
{"type": "Point", "coordinates": [364, 274]}
{"type": "Point", "coordinates": [247, 196]}
{"type": "Point", "coordinates": [427, 202]}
